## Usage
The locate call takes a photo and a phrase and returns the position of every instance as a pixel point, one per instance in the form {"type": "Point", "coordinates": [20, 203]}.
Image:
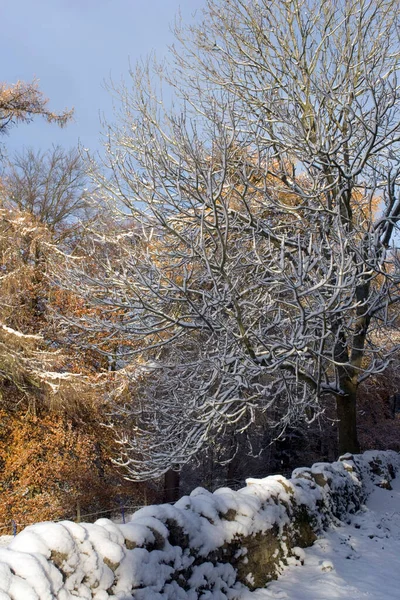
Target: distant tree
{"type": "Point", "coordinates": [260, 273]}
{"type": "Point", "coordinates": [49, 185]}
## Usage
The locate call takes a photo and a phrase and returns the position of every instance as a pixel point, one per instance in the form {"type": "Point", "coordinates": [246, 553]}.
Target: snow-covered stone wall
{"type": "Point", "coordinates": [207, 545]}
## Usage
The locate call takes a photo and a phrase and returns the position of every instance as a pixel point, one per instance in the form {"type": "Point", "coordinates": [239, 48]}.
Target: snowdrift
{"type": "Point", "coordinates": [207, 545]}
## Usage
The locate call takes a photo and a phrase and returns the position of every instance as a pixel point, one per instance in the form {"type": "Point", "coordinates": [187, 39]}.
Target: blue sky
{"type": "Point", "coordinates": [72, 47]}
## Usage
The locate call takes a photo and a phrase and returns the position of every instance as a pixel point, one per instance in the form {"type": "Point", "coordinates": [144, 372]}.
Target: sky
{"type": "Point", "coordinates": [73, 47]}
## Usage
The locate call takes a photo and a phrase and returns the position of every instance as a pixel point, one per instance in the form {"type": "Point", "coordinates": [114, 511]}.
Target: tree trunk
{"type": "Point", "coordinates": [171, 486]}
{"type": "Point", "coordinates": [349, 363]}
{"type": "Point", "coordinates": [346, 408]}
{"type": "Point", "coordinates": [346, 405]}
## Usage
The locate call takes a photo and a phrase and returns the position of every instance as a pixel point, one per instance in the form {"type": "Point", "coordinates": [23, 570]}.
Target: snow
{"type": "Point", "coordinates": [195, 548]}
{"type": "Point", "coordinates": [26, 336]}
{"type": "Point", "coordinates": [358, 560]}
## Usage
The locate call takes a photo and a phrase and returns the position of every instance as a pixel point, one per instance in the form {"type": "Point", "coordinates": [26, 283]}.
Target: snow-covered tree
{"type": "Point", "coordinates": [259, 274]}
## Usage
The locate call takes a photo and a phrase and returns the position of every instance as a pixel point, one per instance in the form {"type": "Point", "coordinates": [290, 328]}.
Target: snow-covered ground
{"type": "Point", "coordinates": [5, 540]}
{"type": "Point", "coordinates": [358, 561]}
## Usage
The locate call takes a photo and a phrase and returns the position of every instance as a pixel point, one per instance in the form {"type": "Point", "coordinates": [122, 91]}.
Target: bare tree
{"type": "Point", "coordinates": [49, 185]}
{"type": "Point", "coordinates": [259, 274]}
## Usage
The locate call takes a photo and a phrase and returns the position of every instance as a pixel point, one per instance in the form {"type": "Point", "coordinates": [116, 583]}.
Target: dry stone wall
{"type": "Point", "coordinates": [207, 545]}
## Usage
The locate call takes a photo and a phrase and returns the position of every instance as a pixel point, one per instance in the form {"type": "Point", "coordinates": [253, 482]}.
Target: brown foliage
{"type": "Point", "coordinates": [48, 466]}
{"type": "Point", "coordinates": [54, 451]}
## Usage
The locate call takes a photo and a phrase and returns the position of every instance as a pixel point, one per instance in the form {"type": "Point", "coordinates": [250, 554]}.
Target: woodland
{"type": "Point", "coordinates": [215, 296]}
